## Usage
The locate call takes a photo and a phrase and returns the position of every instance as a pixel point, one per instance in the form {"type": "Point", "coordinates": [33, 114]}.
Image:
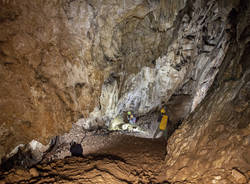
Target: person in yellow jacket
{"type": "Point", "coordinates": [163, 119]}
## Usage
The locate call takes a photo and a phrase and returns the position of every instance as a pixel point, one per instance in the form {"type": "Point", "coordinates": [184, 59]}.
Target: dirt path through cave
{"type": "Point", "coordinates": [126, 159]}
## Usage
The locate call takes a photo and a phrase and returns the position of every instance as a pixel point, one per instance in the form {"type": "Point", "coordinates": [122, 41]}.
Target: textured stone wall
{"type": "Point", "coordinates": [55, 55]}
{"type": "Point", "coordinates": [61, 60]}
{"type": "Point", "coordinates": [46, 81]}
{"type": "Point", "coordinates": [213, 144]}
{"type": "Point", "coordinates": [195, 46]}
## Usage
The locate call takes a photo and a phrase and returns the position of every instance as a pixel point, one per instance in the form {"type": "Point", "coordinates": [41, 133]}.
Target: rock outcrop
{"type": "Point", "coordinates": [46, 82]}
{"type": "Point", "coordinates": [212, 145]}
{"type": "Point", "coordinates": [56, 55]}
{"type": "Point", "coordinates": [59, 57]}
{"type": "Point", "coordinates": [65, 60]}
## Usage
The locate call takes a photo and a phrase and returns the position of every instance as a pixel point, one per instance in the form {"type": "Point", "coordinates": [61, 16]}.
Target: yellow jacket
{"type": "Point", "coordinates": [163, 123]}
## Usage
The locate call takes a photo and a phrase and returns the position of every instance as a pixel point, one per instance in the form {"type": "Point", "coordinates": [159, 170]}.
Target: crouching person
{"type": "Point", "coordinates": [131, 118]}
{"type": "Point", "coordinates": [76, 149]}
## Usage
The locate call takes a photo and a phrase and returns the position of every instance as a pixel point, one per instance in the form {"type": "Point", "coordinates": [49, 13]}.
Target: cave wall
{"type": "Point", "coordinates": [55, 56]}
{"type": "Point", "coordinates": [195, 48]}
{"type": "Point", "coordinates": [44, 55]}
{"type": "Point", "coordinates": [61, 60]}
{"type": "Point", "coordinates": [213, 144]}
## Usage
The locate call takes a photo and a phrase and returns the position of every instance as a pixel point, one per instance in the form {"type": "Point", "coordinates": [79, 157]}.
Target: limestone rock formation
{"type": "Point", "coordinates": [212, 145]}
{"type": "Point", "coordinates": [57, 57]}
{"type": "Point", "coordinates": [67, 61]}
{"type": "Point", "coordinates": [43, 71]}
{"type": "Point", "coordinates": [186, 68]}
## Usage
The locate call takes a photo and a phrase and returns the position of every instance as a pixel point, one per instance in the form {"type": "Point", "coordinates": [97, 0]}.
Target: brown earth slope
{"type": "Point", "coordinates": [127, 160]}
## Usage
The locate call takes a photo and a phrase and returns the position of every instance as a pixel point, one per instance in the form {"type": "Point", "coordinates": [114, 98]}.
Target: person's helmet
{"type": "Point", "coordinates": [163, 110]}
{"type": "Point", "coordinates": [129, 113]}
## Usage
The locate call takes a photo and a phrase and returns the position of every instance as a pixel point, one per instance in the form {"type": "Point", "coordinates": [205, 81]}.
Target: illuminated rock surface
{"type": "Point", "coordinates": [89, 62]}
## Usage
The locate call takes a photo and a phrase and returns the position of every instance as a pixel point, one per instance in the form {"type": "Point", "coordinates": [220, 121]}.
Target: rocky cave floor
{"type": "Point", "coordinates": [108, 158]}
